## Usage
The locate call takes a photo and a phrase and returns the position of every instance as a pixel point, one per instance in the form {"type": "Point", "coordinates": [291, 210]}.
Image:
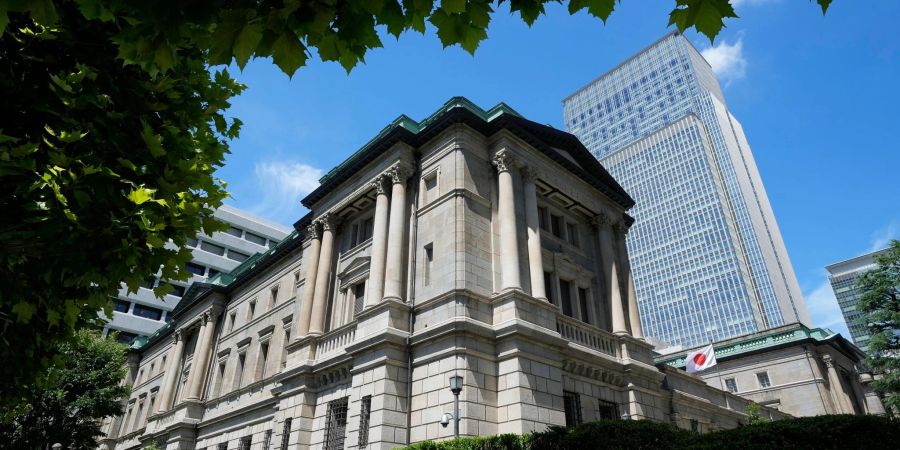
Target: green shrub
{"type": "Point", "coordinates": [821, 432]}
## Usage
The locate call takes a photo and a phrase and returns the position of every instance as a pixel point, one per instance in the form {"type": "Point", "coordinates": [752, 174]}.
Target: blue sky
{"type": "Point", "coordinates": [818, 98]}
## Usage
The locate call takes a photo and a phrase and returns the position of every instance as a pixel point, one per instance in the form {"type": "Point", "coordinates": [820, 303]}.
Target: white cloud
{"type": "Point", "coordinates": [727, 60]}
{"type": "Point", "coordinates": [283, 185]}
{"type": "Point", "coordinates": [883, 236]}
{"type": "Point", "coordinates": [824, 310]}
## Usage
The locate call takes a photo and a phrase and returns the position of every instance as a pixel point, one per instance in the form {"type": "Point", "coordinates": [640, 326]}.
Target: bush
{"type": "Point", "coordinates": [822, 432]}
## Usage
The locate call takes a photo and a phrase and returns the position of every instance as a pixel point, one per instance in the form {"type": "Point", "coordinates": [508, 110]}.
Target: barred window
{"type": "Point", "coordinates": [336, 424]}
{"type": "Point", "coordinates": [572, 405]}
{"type": "Point", "coordinates": [286, 434]}
{"type": "Point", "coordinates": [365, 412]}
{"type": "Point", "coordinates": [245, 442]}
{"type": "Point", "coordinates": [267, 440]}
{"type": "Point", "coordinates": [608, 410]}
{"type": "Point", "coordinates": [223, 446]}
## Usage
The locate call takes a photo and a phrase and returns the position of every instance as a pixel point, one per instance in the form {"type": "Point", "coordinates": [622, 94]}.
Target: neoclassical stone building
{"type": "Point", "coordinates": [473, 243]}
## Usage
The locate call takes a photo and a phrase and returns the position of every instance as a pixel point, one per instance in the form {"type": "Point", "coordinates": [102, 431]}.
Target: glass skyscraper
{"type": "Point", "coordinates": [843, 276]}
{"type": "Point", "coordinates": [708, 259]}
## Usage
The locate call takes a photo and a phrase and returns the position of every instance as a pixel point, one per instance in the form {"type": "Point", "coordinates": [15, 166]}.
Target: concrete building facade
{"type": "Point", "coordinates": [472, 243]}
{"type": "Point", "coordinates": [709, 260]}
{"type": "Point", "coordinates": [141, 313]}
{"type": "Point", "coordinates": [794, 369]}
{"type": "Point", "coordinates": [843, 276]}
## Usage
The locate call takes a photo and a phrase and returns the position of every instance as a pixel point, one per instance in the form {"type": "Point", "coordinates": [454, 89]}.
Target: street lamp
{"type": "Point", "coordinates": [456, 383]}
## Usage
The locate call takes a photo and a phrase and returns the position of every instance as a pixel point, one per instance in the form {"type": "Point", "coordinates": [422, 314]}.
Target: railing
{"type": "Point", "coordinates": [586, 335]}
{"type": "Point", "coordinates": [336, 340]}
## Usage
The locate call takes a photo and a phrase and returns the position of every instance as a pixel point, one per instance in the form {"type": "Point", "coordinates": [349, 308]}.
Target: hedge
{"type": "Point", "coordinates": [822, 432]}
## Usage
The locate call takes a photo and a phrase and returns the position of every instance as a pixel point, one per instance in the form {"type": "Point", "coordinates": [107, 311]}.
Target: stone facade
{"type": "Point", "coordinates": [474, 243]}
{"type": "Point", "coordinates": [794, 369]}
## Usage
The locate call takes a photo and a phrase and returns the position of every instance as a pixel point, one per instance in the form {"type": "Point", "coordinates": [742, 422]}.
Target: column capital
{"type": "Point", "coordinates": [829, 362]}
{"type": "Point", "coordinates": [602, 220]}
{"type": "Point", "coordinates": [177, 335]}
{"type": "Point", "coordinates": [378, 185]}
{"type": "Point", "coordinates": [399, 173]}
{"type": "Point", "coordinates": [504, 161]}
{"type": "Point", "coordinates": [313, 232]}
{"type": "Point", "coordinates": [329, 222]}
{"type": "Point", "coordinates": [529, 173]}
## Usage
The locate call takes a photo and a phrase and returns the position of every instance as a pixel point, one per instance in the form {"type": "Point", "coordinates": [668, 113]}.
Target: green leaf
{"type": "Point", "coordinates": [141, 195]}
{"type": "Point", "coordinates": [152, 140]}
{"type": "Point", "coordinates": [24, 311]}
{"type": "Point", "coordinates": [824, 4]}
{"type": "Point", "coordinates": [529, 10]}
{"type": "Point", "coordinates": [246, 42]}
{"type": "Point", "coordinates": [4, 17]}
{"type": "Point", "coordinates": [453, 6]}
{"type": "Point", "coordinates": [288, 54]}
{"type": "Point", "coordinates": [42, 11]}
{"type": "Point", "coordinates": [601, 9]}
{"type": "Point", "coordinates": [164, 57]}
{"type": "Point", "coordinates": [705, 15]}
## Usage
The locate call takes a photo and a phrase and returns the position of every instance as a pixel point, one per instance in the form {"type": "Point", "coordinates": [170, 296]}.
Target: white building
{"type": "Point", "coordinates": [473, 243]}
{"type": "Point", "coordinates": [141, 313]}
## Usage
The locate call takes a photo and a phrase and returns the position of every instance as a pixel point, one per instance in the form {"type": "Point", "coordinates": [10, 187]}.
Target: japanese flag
{"type": "Point", "coordinates": [701, 359]}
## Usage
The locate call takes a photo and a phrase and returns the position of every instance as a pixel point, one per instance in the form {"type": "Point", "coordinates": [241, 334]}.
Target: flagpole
{"type": "Point", "coordinates": [719, 375]}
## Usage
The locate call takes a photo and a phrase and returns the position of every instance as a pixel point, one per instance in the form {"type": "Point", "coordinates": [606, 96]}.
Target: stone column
{"type": "Point", "coordinates": [167, 391]}
{"type": "Point", "coordinates": [302, 316]}
{"type": "Point", "coordinates": [379, 243]}
{"type": "Point", "coordinates": [634, 316]}
{"type": "Point", "coordinates": [393, 278]}
{"type": "Point", "coordinates": [611, 272]}
{"type": "Point", "coordinates": [841, 399]}
{"type": "Point", "coordinates": [506, 212]}
{"type": "Point", "coordinates": [323, 275]}
{"type": "Point", "coordinates": [532, 221]}
{"type": "Point", "coordinates": [205, 345]}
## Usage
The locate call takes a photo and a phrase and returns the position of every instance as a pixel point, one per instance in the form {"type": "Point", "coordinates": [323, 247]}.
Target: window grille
{"type": "Point", "coordinates": [267, 440]}
{"type": "Point", "coordinates": [572, 405]}
{"type": "Point", "coordinates": [336, 424]}
{"type": "Point", "coordinates": [245, 442]}
{"type": "Point", "coordinates": [608, 410]}
{"type": "Point", "coordinates": [286, 434]}
{"type": "Point", "coordinates": [365, 412]}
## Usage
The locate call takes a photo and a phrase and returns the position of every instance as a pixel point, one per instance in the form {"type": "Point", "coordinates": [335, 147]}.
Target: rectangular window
{"type": "Point", "coordinates": [608, 410]}
{"type": "Point", "coordinates": [556, 225]}
{"type": "Point", "coordinates": [431, 183]}
{"type": "Point", "coordinates": [212, 248]}
{"type": "Point", "coordinates": [364, 414]}
{"type": "Point", "coordinates": [261, 362]}
{"type": "Point", "coordinates": [548, 286]}
{"type": "Point", "coordinates": [359, 297]}
{"type": "Point", "coordinates": [565, 297]}
{"type": "Point", "coordinates": [366, 229]}
{"type": "Point", "coordinates": [147, 312]}
{"type": "Point", "coordinates": [429, 260]}
{"type": "Point", "coordinates": [220, 376]}
{"type": "Point", "coordinates": [239, 371]}
{"type": "Point", "coordinates": [255, 238]}
{"type": "Point", "coordinates": [125, 337]}
{"type": "Point", "coordinates": [287, 340]}
{"type": "Point", "coordinates": [195, 269]}
{"type": "Point", "coordinates": [235, 231]}
{"type": "Point", "coordinates": [274, 296]}
{"type": "Point", "coordinates": [191, 242]}
{"type": "Point", "coordinates": [286, 434]}
{"type": "Point", "coordinates": [763, 378]}
{"type": "Point", "coordinates": [211, 273]}
{"type": "Point", "coordinates": [177, 291]}
{"type": "Point", "coordinates": [245, 442]}
{"type": "Point", "coordinates": [571, 233]}
{"type": "Point", "coordinates": [237, 256]}
{"type": "Point", "coordinates": [354, 235]}
{"type": "Point", "coordinates": [731, 385]}
{"type": "Point", "coordinates": [121, 306]}
{"type": "Point", "coordinates": [336, 424]}
{"type": "Point", "coordinates": [231, 319]}
{"type": "Point", "coordinates": [583, 304]}
{"type": "Point", "coordinates": [542, 218]}
{"type": "Point", "coordinates": [572, 405]}
{"type": "Point", "coordinates": [267, 440]}
{"type": "Point", "coordinates": [223, 446]}
{"type": "Point", "coordinates": [251, 310]}
{"type": "Point", "coordinates": [149, 283]}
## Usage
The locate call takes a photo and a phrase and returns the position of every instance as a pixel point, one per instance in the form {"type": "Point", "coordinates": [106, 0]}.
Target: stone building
{"type": "Point", "coordinates": [794, 369]}
{"type": "Point", "coordinates": [473, 243]}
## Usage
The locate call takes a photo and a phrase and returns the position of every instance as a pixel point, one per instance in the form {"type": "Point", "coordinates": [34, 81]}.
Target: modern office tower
{"type": "Point", "coordinates": [708, 258]}
{"type": "Point", "coordinates": [141, 313]}
{"type": "Point", "coordinates": [843, 276]}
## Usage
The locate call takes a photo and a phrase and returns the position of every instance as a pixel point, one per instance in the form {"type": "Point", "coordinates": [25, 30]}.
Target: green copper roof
{"type": "Point", "coordinates": [755, 342]}
{"type": "Point", "coordinates": [412, 126]}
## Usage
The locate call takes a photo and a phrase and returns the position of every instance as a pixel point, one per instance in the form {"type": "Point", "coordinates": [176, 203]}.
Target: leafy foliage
{"type": "Point", "coordinates": [753, 416]}
{"type": "Point", "coordinates": [880, 301]}
{"type": "Point", "coordinates": [76, 396]}
{"type": "Point", "coordinates": [100, 166]}
{"type": "Point", "coordinates": [821, 432]}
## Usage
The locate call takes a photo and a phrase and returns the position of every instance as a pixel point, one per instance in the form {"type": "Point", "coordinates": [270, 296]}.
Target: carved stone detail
{"type": "Point", "coordinates": [529, 174]}
{"type": "Point", "coordinates": [313, 232]}
{"type": "Point", "coordinates": [378, 185]}
{"type": "Point", "coordinates": [504, 161]}
{"type": "Point", "coordinates": [399, 173]}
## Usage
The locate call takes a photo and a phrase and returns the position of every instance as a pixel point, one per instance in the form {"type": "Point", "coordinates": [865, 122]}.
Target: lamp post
{"type": "Point", "coordinates": [456, 383]}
